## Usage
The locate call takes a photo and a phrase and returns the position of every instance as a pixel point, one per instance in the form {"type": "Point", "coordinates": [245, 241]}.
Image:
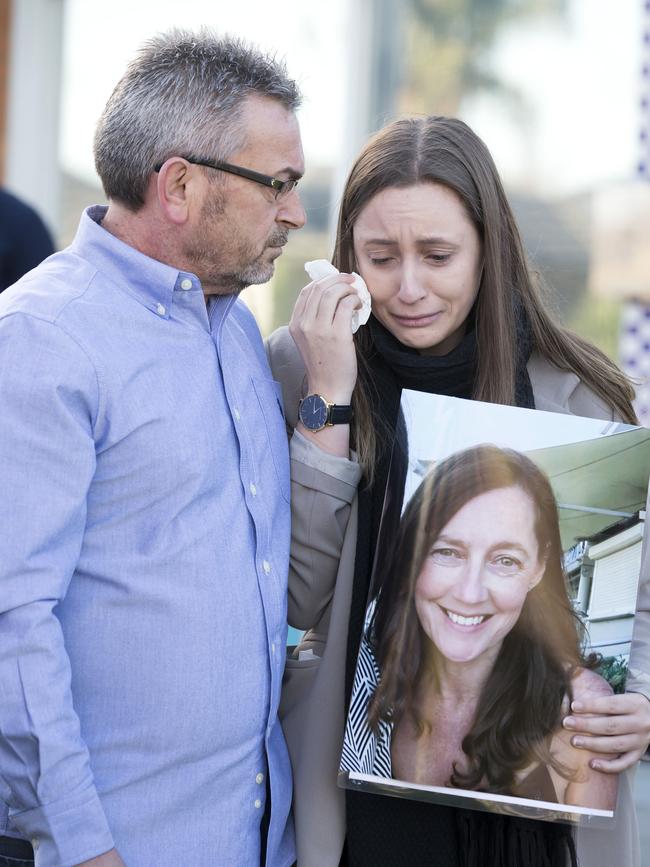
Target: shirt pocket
{"type": "Point", "coordinates": [269, 395]}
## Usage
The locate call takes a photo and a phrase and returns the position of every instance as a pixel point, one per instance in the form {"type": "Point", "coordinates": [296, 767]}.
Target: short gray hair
{"type": "Point", "coordinates": [181, 95]}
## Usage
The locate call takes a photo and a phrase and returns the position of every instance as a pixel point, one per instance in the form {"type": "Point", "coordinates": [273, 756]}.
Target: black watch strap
{"type": "Point", "coordinates": [339, 414]}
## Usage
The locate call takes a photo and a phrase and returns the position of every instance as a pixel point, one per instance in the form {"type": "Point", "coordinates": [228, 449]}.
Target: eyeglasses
{"type": "Point", "coordinates": [282, 188]}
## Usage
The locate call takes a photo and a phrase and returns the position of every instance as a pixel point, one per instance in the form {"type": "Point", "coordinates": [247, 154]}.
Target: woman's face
{"type": "Point", "coordinates": [421, 257]}
{"type": "Point", "coordinates": [479, 570]}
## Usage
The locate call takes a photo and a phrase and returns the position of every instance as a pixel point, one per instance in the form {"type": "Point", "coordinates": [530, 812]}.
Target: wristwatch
{"type": "Point", "coordinates": [316, 413]}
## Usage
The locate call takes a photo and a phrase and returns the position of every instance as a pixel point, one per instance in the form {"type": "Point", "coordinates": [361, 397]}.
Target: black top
{"type": "Point", "coordinates": [24, 239]}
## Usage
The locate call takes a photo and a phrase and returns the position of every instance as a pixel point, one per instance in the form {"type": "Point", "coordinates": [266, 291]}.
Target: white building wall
{"type": "Point", "coordinates": [617, 564]}
{"type": "Point", "coordinates": [33, 106]}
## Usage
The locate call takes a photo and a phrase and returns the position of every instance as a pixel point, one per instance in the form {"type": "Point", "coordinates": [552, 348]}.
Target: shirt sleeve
{"type": "Point", "coordinates": [49, 396]}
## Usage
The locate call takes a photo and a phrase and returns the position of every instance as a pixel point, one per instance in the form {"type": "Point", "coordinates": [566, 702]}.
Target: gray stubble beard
{"type": "Point", "coordinates": [234, 282]}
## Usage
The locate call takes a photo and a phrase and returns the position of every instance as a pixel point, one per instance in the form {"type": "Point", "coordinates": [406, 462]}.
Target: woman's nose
{"type": "Point", "coordinates": [410, 288]}
{"type": "Point", "coordinates": [470, 587]}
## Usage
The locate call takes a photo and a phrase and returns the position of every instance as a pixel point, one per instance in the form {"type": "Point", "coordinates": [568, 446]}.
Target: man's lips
{"type": "Point", "coordinates": [277, 241]}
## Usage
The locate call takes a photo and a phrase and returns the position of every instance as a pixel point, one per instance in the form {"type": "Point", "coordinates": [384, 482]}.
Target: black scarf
{"type": "Point", "coordinates": [395, 831]}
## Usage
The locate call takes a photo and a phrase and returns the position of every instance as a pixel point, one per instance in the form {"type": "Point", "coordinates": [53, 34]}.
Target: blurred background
{"type": "Point", "coordinates": [558, 89]}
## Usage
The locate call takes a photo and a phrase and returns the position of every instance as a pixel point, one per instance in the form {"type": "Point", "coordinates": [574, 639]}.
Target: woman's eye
{"type": "Point", "coordinates": [379, 260]}
{"type": "Point", "coordinates": [508, 564]}
{"type": "Point", "coordinates": [439, 258]}
{"type": "Point", "coordinates": [442, 554]}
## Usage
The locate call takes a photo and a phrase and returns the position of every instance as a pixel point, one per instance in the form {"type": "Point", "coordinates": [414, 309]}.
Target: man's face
{"type": "Point", "coordinates": [241, 227]}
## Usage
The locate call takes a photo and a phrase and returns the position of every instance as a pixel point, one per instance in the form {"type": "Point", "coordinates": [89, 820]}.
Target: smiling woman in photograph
{"type": "Point", "coordinates": [472, 647]}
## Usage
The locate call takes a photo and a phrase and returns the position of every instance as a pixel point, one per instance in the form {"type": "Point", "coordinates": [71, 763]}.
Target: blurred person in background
{"type": "Point", "coordinates": [141, 437]}
{"type": "Point", "coordinates": [24, 239]}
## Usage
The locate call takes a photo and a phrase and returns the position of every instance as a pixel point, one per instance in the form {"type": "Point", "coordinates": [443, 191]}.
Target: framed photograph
{"type": "Point", "coordinates": [504, 588]}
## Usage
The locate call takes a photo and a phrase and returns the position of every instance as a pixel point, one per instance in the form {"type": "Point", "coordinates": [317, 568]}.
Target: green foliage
{"type": "Point", "coordinates": [449, 50]}
{"type": "Point", "coordinates": [597, 320]}
{"type": "Point", "coordinates": [614, 670]}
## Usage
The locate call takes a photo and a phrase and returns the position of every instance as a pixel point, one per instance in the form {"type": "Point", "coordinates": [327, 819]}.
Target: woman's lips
{"type": "Point", "coordinates": [465, 621]}
{"type": "Point", "coordinates": [417, 321]}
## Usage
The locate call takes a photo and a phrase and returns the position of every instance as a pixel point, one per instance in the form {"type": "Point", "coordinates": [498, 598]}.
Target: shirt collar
{"type": "Point", "coordinates": [151, 282]}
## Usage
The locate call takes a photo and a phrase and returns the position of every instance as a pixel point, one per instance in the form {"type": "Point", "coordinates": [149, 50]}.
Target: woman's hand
{"type": "Point", "coordinates": [321, 328]}
{"type": "Point", "coordinates": [618, 724]}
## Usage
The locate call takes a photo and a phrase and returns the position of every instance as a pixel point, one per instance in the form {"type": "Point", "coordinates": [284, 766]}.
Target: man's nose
{"type": "Point", "coordinates": [292, 212]}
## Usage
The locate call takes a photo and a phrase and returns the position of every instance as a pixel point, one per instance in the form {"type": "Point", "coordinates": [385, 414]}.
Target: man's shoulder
{"type": "Point", "coordinates": [48, 290]}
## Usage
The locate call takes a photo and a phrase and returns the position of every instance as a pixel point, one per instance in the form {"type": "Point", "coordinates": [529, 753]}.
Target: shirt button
{"type": "Point", "coordinates": [266, 566]}
{"type": "Point", "coordinates": [258, 803]}
{"type": "Point", "coordinates": [259, 779]}
{"type": "Point", "coordinates": [161, 309]}
{"type": "Point", "coordinates": [273, 647]}
{"type": "Point", "coordinates": [186, 284]}
{"type": "Point", "coordinates": [252, 489]}
{"type": "Point", "coordinates": [236, 413]}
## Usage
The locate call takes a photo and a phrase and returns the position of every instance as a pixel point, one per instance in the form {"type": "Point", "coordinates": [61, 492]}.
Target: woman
{"type": "Point", "coordinates": [425, 221]}
{"type": "Point", "coordinates": [472, 645]}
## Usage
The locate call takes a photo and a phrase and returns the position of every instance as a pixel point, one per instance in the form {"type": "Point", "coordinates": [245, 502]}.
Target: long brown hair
{"type": "Point", "coordinates": [520, 704]}
{"type": "Point", "coordinates": [446, 151]}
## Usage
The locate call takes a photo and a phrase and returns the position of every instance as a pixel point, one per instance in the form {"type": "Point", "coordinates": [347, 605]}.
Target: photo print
{"type": "Point", "coordinates": [504, 587]}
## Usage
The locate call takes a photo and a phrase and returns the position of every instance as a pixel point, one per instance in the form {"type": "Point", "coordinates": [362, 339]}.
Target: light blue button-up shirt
{"type": "Point", "coordinates": [144, 545]}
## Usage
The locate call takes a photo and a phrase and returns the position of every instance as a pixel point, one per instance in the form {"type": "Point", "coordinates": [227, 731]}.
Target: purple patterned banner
{"type": "Point", "coordinates": [635, 319]}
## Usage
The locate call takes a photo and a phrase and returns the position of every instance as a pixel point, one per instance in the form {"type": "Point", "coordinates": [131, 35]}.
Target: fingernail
{"type": "Point", "coordinates": [578, 742]}
{"type": "Point", "coordinates": [569, 722]}
{"type": "Point", "coordinates": [577, 706]}
{"type": "Point", "coordinates": [595, 765]}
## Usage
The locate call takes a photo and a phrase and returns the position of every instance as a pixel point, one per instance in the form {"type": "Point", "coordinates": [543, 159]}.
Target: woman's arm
{"type": "Point", "coordinates": [318, 352]}
{"type": "Point", "coordinates": [587, 787]}
{"type": "Point", "coordinates": [322, 490]}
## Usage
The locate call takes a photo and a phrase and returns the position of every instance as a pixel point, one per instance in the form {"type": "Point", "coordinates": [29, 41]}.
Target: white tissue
{"type": "Point", "coordinates": [320, 268]}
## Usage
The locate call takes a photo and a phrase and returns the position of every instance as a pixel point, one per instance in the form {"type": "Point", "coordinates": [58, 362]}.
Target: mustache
{"type": "Point", "coordinates": [279, 238]}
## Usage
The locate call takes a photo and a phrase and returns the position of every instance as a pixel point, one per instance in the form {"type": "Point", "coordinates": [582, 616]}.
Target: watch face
{"type": "Point", "coordinates": [313, 412]}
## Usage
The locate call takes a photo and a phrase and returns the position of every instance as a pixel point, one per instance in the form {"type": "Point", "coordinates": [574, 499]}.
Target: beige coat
{"type": "Point", "coordinates": [324, 531]}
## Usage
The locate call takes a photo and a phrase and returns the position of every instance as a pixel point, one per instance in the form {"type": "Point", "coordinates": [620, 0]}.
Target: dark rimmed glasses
{"type": "Point", "coordinates": [282, 188]}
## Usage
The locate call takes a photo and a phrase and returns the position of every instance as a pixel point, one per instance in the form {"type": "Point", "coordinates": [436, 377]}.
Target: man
{"type": "Point", "coordinates": [24, 239]}
{"type": "Point", "coordinates": [144, 485]}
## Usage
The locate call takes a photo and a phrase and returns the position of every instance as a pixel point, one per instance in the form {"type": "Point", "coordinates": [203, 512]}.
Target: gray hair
{"type": "Point", "coordinates": [181, 95]}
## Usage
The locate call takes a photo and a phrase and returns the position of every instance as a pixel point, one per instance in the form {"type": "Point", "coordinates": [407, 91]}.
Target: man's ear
{"type": "Point", "coordinates": [173, 189]}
